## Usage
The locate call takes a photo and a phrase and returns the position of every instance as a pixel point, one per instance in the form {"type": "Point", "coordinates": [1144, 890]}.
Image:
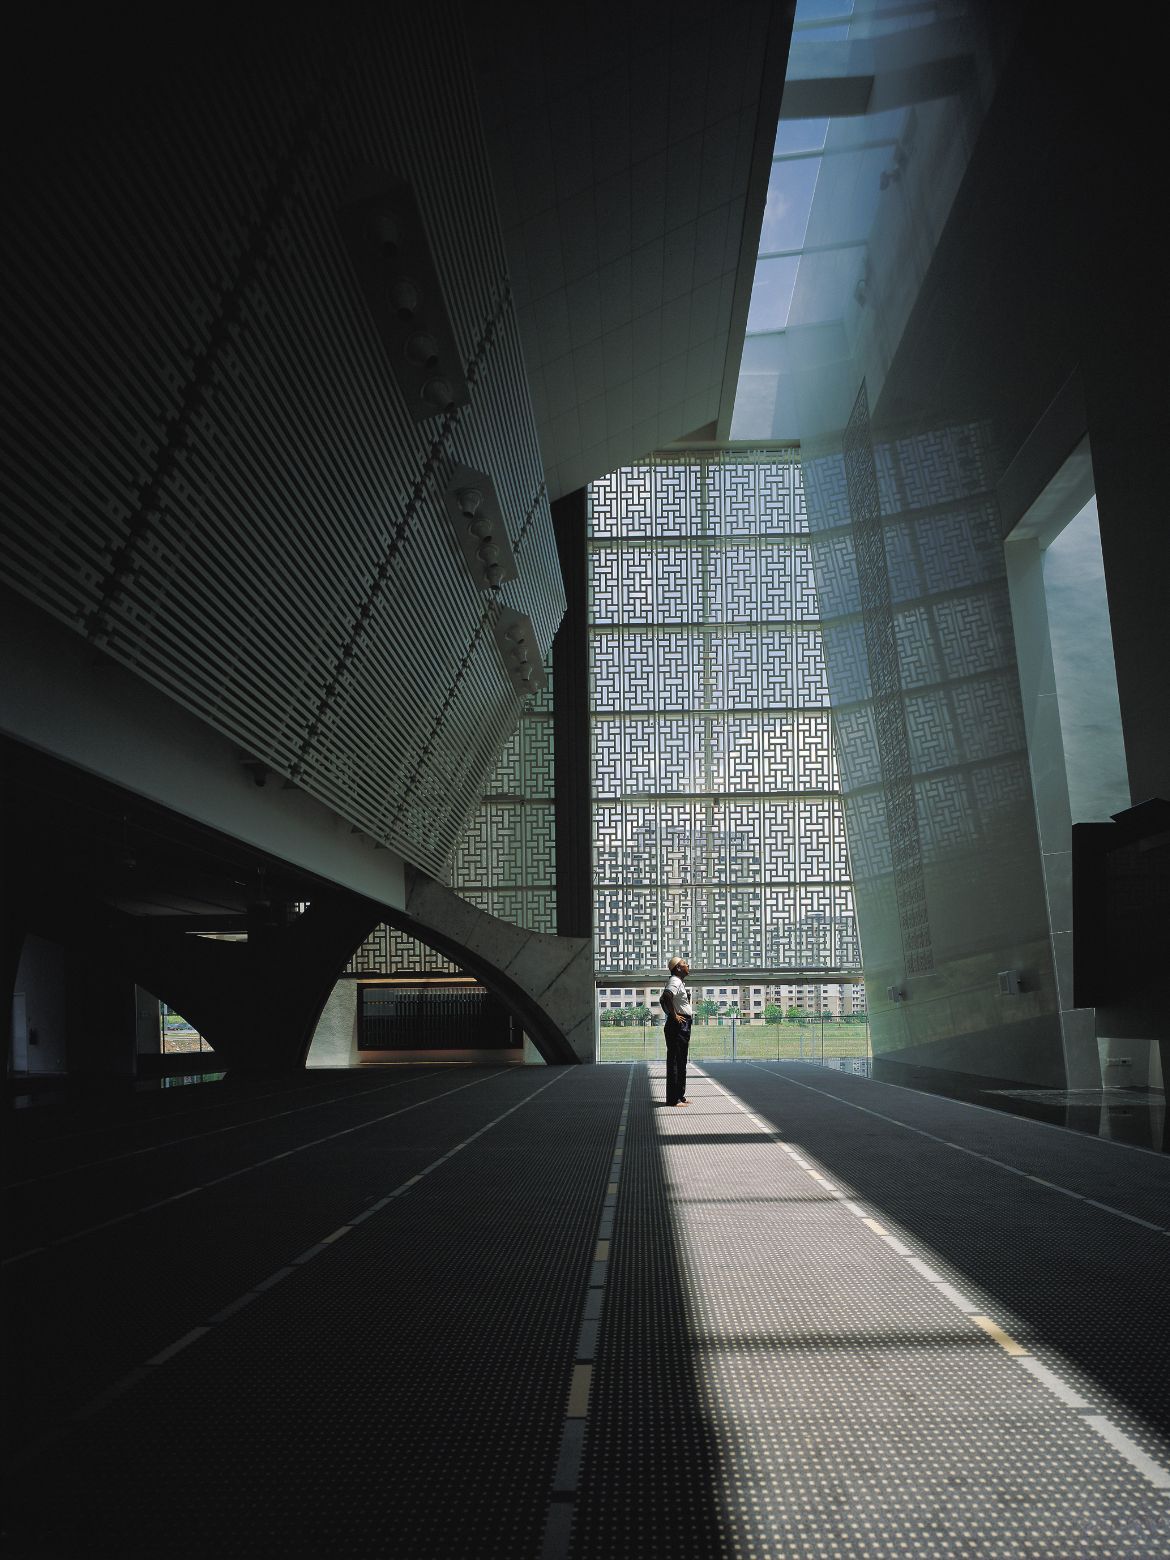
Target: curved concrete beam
{"type": "Point", "coordinates": [548, 981]}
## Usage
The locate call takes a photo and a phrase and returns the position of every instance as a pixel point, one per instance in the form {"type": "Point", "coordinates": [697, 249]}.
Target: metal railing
{"type": "Point", "coordinates": [827, 1041]}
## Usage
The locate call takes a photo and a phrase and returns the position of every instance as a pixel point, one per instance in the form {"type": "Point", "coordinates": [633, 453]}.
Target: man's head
{"type": "Point", "coordinates": [679, 966]}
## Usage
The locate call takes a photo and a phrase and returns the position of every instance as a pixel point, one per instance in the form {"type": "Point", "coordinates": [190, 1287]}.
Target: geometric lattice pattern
{"type": "Point", "coordinates": [718, 827]}
{"type": "Point", "coordinates": [387, 951]}
{"type": "Point", "coordinates": [506, 859]}
{"type": "Point", "coordinates": [890, 714]}
{"type": "Point", "coordinates": [920, 660]}
{"type": "Point", "coordinates": [505, 862]}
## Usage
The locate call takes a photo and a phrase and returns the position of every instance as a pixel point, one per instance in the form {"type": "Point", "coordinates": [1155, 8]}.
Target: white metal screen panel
{"type": "Point", "coordinates": [718, 829]}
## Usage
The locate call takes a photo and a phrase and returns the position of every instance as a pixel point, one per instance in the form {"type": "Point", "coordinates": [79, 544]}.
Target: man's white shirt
{"type": "Point", "coordinates": [681, 997]}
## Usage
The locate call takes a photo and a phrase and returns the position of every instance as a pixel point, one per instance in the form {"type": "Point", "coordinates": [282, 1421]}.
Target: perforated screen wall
{"type": "Point", "coordinates": [506, 859]}
{"type": "Point", "coordinates": [920, 654]}
{"type": "Point", "coordinates": [718, 829]}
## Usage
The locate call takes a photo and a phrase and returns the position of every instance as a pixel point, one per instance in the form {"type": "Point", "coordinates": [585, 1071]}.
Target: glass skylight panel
{"type": "Point", "coordinates": [848, 193]}
{"type": "Point", "coordinates": [816, 13]}
{"type": "Point", "coordinates": [772, 291]}
{"type": "Point", "coordinates": [849, 200]}
{"type": "Point", "coordinates": [824, 21]}
{"type": "Point", "coordinates": [800, 135]}
{"type": "Point", "coordinates": [828, 33]}
{"type": "Point", "coordinates": [763, 400]}
{"type": "Point", "coordinates": [790, 199]}
{"type": "Point", "coordinates": [827, 283]}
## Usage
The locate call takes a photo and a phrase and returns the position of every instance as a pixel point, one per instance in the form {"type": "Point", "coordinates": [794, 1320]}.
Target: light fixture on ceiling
{"type": "Point", "coordinates": [385, 232]}
{"type": "Point", "coordinates": [438, 393]}
{"type": "Point", "coordinates": [387, 243]}
{"type": "Point", "coordinates": [474, 511]}
{"type": "Point", "coordinates": [404, 298]}
{"type": "Point", "coordinates": [519, 651]}
{"type": "Point", "coordinates": [422, 349]}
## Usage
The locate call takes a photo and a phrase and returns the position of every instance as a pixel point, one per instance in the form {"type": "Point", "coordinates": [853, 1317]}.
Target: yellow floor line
{"type": "Point", "coordinates": [996, 1332]}
{"type": "Point", "coordinates": [579, 1392]}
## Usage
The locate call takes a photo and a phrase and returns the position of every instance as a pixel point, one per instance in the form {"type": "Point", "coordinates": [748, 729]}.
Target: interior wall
{"type": "Point", "coordinates": [1022, 295]}
{"type": "Point", "coordinates": [335, 1042]}
{"type": "Point", "coordinates": [147, 1023]}
{"type": "Point", "coordinates": [1050, 791]}
{"type": "Point", "coordinates": [1084, 670]}
{"type": "Point", "coordinates": [920, 658]}
{"type": "Point", "coordinates": [40, 977]}
{"type": "Point", "coordinates": [1076, 747]}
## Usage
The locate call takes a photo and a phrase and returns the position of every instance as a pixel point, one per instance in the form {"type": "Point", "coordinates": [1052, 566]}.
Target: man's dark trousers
{"type": "Point", "coordinates": [678, 1039]}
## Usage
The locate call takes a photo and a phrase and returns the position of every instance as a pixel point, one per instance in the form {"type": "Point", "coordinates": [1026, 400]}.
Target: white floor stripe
{"type": "Point", "coordinates": [181, 1343]}
{"type": "Point", "coordinates": [1133, 1454]}
{"type": "Point", "coordinates": [232, 1175]}
{"type": "Point", "coordinates": [927, 1273]}
{"type": "Point", "coordinates": [1153, 1471]}
{"type": "Point", "coordinates": [198, 1137]}
{"type": "Point", "coordinates": [273, 1279]}
{"type": "Point", "coordinates": [967, 1306]}
{"type": "Point", "coordinates": [1118, 1213]}
{"type": "Point", "coordinates": [87, 1410]}
{"type": "Point", "coordinates": [562, 1502]}
{"type": "Point", "coordinates": [1052, 1381]}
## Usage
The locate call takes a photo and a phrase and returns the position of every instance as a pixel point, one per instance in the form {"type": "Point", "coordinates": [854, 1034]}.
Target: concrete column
{"type": "Point", "coordinates": [257, 1003]}
{"type": "Point", "coordinates": [101, 1019]}
{"type": "Point", "coordinates": [1046, 762]}
{"type": "Point", "coordinates": [40, 979]}
{"type": "Point", "coordinates": [11, 944]}
{"type": "Point", "coordinates": [335, 1040]}
{"type": "Point", "coordinates": [572, 787]}
{"type": "Point", "coordinates": [148, 1034]}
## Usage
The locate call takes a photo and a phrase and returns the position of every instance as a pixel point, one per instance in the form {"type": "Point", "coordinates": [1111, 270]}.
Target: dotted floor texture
{"type": "Point", "coordinates": [538, 1313]}
{"type": "Point", "coordinates": [781, 1373]}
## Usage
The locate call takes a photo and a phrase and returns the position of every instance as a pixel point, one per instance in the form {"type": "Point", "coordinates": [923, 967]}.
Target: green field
{"type": "Point", "coordinates": [788, 1041]}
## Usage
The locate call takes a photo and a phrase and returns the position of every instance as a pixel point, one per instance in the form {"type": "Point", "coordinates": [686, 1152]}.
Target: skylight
{"type": "Point", "coordinates": [836, 187]}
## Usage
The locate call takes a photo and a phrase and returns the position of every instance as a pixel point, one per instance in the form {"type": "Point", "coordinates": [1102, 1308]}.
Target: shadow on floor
{"type": "Point", "coordinates": [1062, 1276]}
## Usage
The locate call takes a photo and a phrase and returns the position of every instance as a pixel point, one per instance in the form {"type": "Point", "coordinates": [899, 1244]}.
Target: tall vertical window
{"type": "Point", "coordinates": [718, 828]}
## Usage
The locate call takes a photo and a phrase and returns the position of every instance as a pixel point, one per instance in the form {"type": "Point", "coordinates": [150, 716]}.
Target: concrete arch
{"type": "Point", "coordinates": [546, 980]}
{"type": "Point", "coordinates": [257, 1002]}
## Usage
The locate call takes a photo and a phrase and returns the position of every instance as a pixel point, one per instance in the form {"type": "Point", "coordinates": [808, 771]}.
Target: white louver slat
{"type": "Point", "coordinates": [213, 475]}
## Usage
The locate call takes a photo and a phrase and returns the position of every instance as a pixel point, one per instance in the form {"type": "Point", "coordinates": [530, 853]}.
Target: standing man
{"type": "Point", "coordinates": [676, 1004]}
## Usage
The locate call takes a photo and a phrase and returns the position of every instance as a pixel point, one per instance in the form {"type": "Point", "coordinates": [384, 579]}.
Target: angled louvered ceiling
{"type": "Point", "coordinates": [213, 476]}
